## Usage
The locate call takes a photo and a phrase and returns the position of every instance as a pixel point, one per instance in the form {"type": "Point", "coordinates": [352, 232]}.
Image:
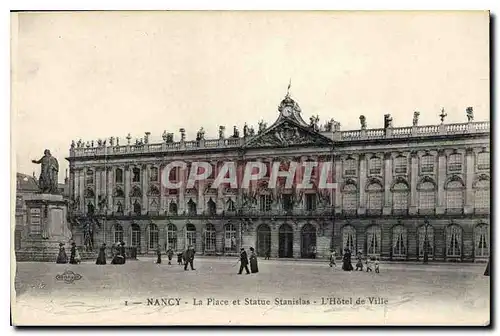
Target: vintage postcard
{"type": "Point", "coordinates": [250, 168]}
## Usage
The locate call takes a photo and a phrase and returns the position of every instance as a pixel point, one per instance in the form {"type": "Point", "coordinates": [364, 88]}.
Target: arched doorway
{"type": "Point", "coordinates": [308, 241]}
{"type": "Point", "coordinates": [263, 240]}
{"type": "Point", "coordinates": [285, 241]}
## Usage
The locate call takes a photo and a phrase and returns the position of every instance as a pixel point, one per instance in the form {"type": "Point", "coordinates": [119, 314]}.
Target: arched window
{"type": "Point", "coordinates": [399, 241]}
{"type": "Point", "coordinates": [483, 161]}
{"type": "Point", "coordinates": [172, 237]}
{"type": "Point", "coordinates": [153, 174]}
{"type": "Point", "coordinates": [172, 208]}
{"type": "Point", "coordinates": [350, 198]}
{"type": "Point", "coordinates": [118, 175]}
{"type": "Point", "coordinates": [153, 236]}
{"type": "Point", "coordinates": [400, 165]}
{"type": "Point", "coordinates": [350, 167]}
{"type": "Point", "coordinates": [191, 207]}
{"type": "Point", "coordinates": [375, 166]}
{"type": "Point", "coordinates": [374, 197]}
{"type": "Point", "coordinates": [455, 163]}
{"type": "Point", "coordinates": [454, 195]}
{"type": "Point", "coordinates": [373, 240]}
{"type": "Point", "coordinates": [136, 175]}
{"type": "Point", "coordinates": [454, 241]}
{"type": "Point", "coordinates": [481, 241]}
{"type": "Point", "coordinates": [349, 238]}
{"type": "Point", "coordinates": [426, 196]}
{"type": "Point", "coordinates": [136, 236]}
{"type": "Point", "coordinates": [118, 233]}
{"type": "Point", "coordinates": [211, 207]}
{"type": "Point", "coordinates": [89, 176]}
{"type": "Point", "coordinates": [229, 238]}
{"type": "Point", "coordinates": [482, 194]}
{"type": "Point", "coordinates": [400, 196]}
{"type": "Point", "coordinates": [190, 235]}
{"type": "Point", "coordinates": [426, 240]}
{"type": "Point", "coordinates": [210, 238]}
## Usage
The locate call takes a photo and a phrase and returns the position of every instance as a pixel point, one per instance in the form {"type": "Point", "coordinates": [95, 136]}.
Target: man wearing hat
{"type": "Point", "coordinates": [243, 261]}
{"type": "Point", "coordinates": [189, 258]}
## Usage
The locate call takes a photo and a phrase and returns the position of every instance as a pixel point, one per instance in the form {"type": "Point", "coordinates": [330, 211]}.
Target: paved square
{"type": "Point", "coordinates": [283, 292]}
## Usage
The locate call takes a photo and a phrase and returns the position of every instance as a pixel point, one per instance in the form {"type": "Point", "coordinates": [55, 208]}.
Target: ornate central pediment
{"type": "Point", "coordinates": [287, 133]}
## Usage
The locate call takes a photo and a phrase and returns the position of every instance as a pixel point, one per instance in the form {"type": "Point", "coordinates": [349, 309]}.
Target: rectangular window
{"type": "Point", "coordinates": [350, 201]}
{"type": "Point", "coordinates": [118, 236]}
{"type": "Point", "coordinates": [375, 166]}
{"type": "Point", "coordinates": [400, 165]}
{"type": "Point", "coordinates": [136, 238]}
{"type": "Point", "coordinates": [374, 201]}
{"type": "Point", "coordinates": [483, 161]}
{"type": "Point", "coordinates": [455, 163]}
{"type": "Point", "coordinates": [427, 164]}
{"type": "Point", "coordinates": [310, 202]}
{"type": "Point", "coordinates": [265, 203]}
{"type": "Point", "coordinates": [350, 167]}
{"type": "Point", "coordinates": [482, 199]}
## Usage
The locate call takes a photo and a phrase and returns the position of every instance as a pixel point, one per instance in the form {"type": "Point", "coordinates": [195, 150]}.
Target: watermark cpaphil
{"type": "Point", "coordinates": [68, 277]}
{"type": "Point", "coordinates": [291, 174]}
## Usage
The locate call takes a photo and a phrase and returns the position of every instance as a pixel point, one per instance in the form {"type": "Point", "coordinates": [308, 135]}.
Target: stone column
{"type": "Point", "coordinates": [387, 183]}
{"type": "Point", "coordinates": [161, 207]}
{"type": "Point", "coordinates": [126, 206]}
{"type": "Point", "coordinates": [469, 179]}
{"type": "Point", "coordinates": [441, 200]}
{"type": "Point", "coordinates": [97, 180]}
{"type": "Point", "coordinates": [109, 176]}
{"type": "Point", "coordinates": [296, 240]}
{"type": "Point", "coordinates": [413, 209]}
{"type": "Point", "coordinates": [145, 189]}
{"type": "Point", "coordinates": [81, 189]}
{"type": "Point", "coordinates": [362, 184]}
{"type": "Point", "coordinates": [76, 181]}
{"type": "Point", "coordinates": [274, 239]}
{"type": "Point", "coordinates": [339, 180]}
{"type": "Point", "coordinates": [181, 206]}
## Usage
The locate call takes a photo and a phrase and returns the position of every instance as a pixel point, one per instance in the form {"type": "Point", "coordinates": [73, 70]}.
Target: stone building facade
{"type": "Point", "coordinates": [398, 189]}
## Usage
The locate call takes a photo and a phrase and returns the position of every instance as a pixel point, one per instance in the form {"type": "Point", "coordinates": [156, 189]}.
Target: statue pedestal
{"type": "Point", "coordinates": [47, 226]}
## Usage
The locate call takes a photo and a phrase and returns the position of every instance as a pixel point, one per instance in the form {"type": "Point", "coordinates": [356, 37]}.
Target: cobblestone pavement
{"type": "Point", "coordinates": [313, 293]}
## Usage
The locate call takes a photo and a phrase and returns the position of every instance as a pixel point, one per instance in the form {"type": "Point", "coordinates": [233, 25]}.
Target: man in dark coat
{"type": "Point", "coordinates": [243, 261]}
{"type": "Point", "coordinates": [189, 258]}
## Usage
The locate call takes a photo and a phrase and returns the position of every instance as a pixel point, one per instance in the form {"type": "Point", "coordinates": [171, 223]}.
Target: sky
{"type": "Point", "coordinates": [93, 75]}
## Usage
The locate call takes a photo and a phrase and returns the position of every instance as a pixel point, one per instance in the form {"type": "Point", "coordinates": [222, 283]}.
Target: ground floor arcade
{"type": "Point", "coordinates": [465, 239]}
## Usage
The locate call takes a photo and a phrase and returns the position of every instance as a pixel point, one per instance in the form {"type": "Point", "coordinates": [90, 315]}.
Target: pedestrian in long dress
{"type": "Point", "coordinates": [62, 258]}
{"type": "Point", "coordinates": [254, 267]}
{"type": "Point", "coordinates": [158, 254]}
{"type": "Point", "coordinates": [346, 260]}
{"type": "Point", "coordinates": [170, 255]}
{"type": "Point", "coordinates": [101, 258]}
{"type": "Point", "coordinates": [73, 254]}
{"type": "Point", "coordinates": [243, 261]}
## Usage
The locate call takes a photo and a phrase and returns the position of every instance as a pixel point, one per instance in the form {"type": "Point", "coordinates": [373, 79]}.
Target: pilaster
{"type": "Point", "coordinates": [441, 204]}
{"type": "Point", "coordinates": [469, 179]}
{"type": "Point", "coordinates": [387, 184]}
{"type": "Point", "coordinates": [413, 209]}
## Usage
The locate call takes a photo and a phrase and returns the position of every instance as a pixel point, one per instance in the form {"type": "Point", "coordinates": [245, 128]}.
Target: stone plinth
{"type": "Point", "coordinates": [47, 226]}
